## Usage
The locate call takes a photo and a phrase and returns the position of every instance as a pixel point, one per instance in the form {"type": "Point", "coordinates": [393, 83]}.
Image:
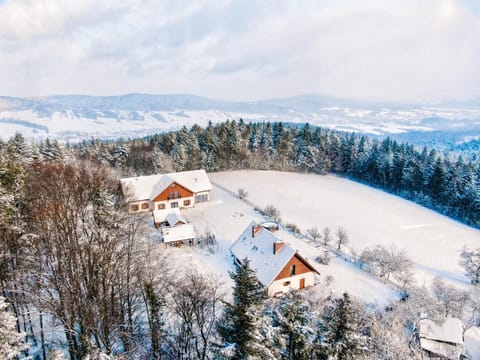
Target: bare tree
{"type": "Point", "coordinates": [475, 306]}
{"type": "Point", "coordinates": [196, 307]}
{"type": "Point", "coordinates": [83, 260]}
{"type": "Point", "coordinates": [342, 237]}
{"type": "Point", "coordinates": [452, 299]}
{"type": "Point", "coordinates": [326, 236]}
{"type": "Point", "coordinates": [156, 276]}
{"type": "Point", "coordinates": [272, 212]}
{"type": "Point", "coordinates": [383, 262]}
{"type": "Point", "coordinates": [314, 234]}
{"type": "Point", "coordinates": [470, 261]}
{"type": "Point", "coordinates": [389, 338]}
{"type": "Point", "coordinates": [417, 306]}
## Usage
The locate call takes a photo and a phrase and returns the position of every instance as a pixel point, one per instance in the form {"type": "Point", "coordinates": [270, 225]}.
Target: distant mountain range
{"type": "Point", "coordinates": [77, 117]}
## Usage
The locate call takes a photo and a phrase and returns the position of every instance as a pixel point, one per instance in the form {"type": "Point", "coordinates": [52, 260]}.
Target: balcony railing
{"type": "Point", "coordinates": [174, 197]}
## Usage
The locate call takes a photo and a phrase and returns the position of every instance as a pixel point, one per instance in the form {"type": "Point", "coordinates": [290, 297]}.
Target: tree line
{"type": "Point", "coordinates": [447, 184]}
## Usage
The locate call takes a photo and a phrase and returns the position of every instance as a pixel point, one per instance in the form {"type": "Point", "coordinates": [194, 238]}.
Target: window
{"type": "Point", "coordinates": [186, 203]}
{"type": "Point", "coordinates": [145, 206]}
{"type": "Point", "coordinates": [292, 270]}
{"type": "Point", "coordinates": [201, 198]}
{"type": "Point", "coordinates": [134, 207]}
{"type": "Point", "coordinates": [174, 195]}
{"type": "Point", "coordinates": [161, 206]}
{"type": "Point", "coordinates": [286, 283]}
{"type": "Point", "coordinates": [174, 205]}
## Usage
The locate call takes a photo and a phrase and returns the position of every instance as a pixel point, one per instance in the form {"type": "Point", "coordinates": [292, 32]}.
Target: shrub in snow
{"type": "Point", "coordinates": [329, 280]}
{"type": "Point", "coordinates": [242, 194]}
{"type": "Point", "coordinates": [272, 212]}
{"type": "Point", "coordinates": [294, 229]}
{"type": "Point", "coordinates": [323, 259]}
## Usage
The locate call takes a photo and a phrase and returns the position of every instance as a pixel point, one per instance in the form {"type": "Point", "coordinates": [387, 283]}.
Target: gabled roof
{"type": "Point", "coordinates": [195, 180]}
{"type": "Point", "coordinates": [148, 187]}
{"type": "Point", "coordinates": [259, 250]}
{"type": "Point", "coordinates": [178, 233]}
{"type": "Point", "coordinates": [443, 339]}
{"type": "Point", "coordinates": [164, 182]}
{"type": "Point", "coordinates": [449, 331]}
{"type": "Point", "coordinates": [175, 218]}
{"type": "Point", "coordinates": [160, 216]}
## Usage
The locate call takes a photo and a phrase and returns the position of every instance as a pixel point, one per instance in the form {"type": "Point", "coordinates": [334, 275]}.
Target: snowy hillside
{"type": "Point", "coordinates": [76, 117]}
{"type": "Point", "coordinates": [370, 217]}
{"type": "Point", "coordinates": [226, 217]}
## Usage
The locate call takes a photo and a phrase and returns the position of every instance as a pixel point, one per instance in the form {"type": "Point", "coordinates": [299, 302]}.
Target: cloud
{"type": "Point", "coordinates": [242, 49]}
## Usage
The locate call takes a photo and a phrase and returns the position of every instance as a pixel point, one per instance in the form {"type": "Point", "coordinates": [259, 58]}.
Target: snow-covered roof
{"type": "Point", "coordinates": [163, 182]}
{"type": "Point", "coordinates": [195, 180]}
{"type": "Point", "coordinates": [449, 331]}
{"type": "Point", "coordinates": [160, 216]}
{"type": "Point", "coordinates": [174, 218]}
{"type": "Point", "coordinates": [444, 339]}
{"type": "Point", "coordinates": [147, 187]}
{"type": "Point", "coordinates": [178, 233]}
{"type": "Point", "coordinates": [259, 250]}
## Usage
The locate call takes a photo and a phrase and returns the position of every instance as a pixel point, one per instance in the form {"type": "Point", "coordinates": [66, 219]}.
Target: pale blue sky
{"type": "Point", "coordinates": [242, 49]}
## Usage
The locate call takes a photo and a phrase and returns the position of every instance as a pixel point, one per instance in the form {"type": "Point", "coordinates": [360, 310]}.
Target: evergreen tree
{"type": "Point", "coordinates": [239, 326]}
{"type": "Point", "coordinates": [294, 320]}
{"type": "Point", "coordinates": [339, 332]}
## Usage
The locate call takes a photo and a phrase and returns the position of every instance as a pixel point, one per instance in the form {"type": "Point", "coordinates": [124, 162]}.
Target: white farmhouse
{"type": "Point", "coordinates": [166, 191]}
{"type": "Point", "coordinates": [277, 265]}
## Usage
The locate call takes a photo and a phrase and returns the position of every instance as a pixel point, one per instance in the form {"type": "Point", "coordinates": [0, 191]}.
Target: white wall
{"type": "Point", "coordinates": [279, 287]}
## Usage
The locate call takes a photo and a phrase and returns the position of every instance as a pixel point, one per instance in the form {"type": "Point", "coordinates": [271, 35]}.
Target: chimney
{"type": "Point", "coordinates": [277, 246]}
{"type": "Point", "coordinates": [256, 229]}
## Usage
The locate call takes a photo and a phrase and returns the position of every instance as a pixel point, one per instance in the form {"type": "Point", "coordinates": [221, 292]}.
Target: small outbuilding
{"type": "Point", "coordinates": [441, 340]}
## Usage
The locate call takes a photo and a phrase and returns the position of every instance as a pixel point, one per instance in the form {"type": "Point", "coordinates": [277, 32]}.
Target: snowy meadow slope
{"type": "Point", "coordinates": [370, 217]}
{"type": "Point", "coordinates": [77, 117]}
{"type": "Point", "coordinates": [226, 217]}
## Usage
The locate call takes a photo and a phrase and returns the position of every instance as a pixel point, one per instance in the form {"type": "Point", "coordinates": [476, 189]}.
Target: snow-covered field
{"type": "Point", "coordinates": [370, 217]}
{"type": "Point", "coordinates": [226, 216]}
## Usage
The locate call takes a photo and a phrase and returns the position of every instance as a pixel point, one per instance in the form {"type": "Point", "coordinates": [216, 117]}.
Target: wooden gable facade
{"type": "Point", "coordinates": [172, 192]}
{"type": "Point", "coordinates": [174, 196]}
{"type": "Point", "coordinates": [277, 265]}
{"type": "Point", "coordinates": [295, 266]}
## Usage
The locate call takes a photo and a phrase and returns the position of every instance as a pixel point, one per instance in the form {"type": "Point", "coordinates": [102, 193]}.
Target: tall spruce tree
{"type": "Point", "coordinates": [294, 320]}
{"type": "Point", "coordinates": [339, 332]}
{"type": "Point", "coordinates": [238, 328]}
